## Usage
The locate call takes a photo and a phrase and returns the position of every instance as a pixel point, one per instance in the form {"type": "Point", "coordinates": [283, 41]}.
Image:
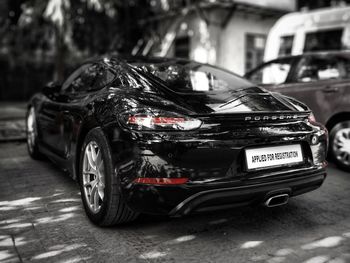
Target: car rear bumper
{"type": "Point", "coordinates": [246, 195]}
{"type": "Point", "coordinates": [214, 166]}
{"type": "Point", "coordinates": [200, 197]}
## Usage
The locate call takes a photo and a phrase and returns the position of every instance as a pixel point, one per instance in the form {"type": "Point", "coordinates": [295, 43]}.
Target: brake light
{"type": "Point", "coordinates": [162, 181]}
{"type": "Point", "coordinates": [161, 121]}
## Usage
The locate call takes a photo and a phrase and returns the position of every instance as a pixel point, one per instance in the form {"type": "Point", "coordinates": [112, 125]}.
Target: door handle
{"type": "Point", "coordinates": [330, 89]}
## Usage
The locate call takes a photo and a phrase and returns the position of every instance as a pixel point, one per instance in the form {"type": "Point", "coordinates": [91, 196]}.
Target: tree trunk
{"type": "Point", "coordinates": [59, 56]}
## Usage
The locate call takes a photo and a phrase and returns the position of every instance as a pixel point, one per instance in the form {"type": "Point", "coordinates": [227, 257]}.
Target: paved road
{"type": "Point", "coordinates": [41, 220]}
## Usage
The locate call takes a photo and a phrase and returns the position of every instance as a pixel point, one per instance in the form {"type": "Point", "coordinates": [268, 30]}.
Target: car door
{"type": "Point", "coordinates": [48, 121]}
{"type": "Point", "coordinates": [51, 115]}
{"type": "Point", "coordinates": [315, 81]}
{"type": "Point", "coordinates": [75, 92]}
{"type": "Point", "coordinates": [78, 94]}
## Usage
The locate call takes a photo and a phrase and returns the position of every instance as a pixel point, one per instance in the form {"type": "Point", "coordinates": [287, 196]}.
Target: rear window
{"type": "Point", "coordinates": [191, 77]}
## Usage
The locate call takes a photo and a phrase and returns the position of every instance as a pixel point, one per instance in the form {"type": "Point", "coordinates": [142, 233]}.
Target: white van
{"type": "Point", "coordinates": [299, 32]}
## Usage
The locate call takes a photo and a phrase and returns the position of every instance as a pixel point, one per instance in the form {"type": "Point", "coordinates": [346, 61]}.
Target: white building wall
{"type": "Point", "coordinates": [226, 46]}
{"type": "Point", "coordinates": [231, 50]}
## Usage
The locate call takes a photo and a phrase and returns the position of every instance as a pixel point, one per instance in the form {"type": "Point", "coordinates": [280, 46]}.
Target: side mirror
{"type": "Point", "coordinates": [52, 88]}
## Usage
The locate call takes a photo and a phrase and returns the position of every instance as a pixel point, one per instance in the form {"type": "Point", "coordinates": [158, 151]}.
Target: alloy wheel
{"type": "Point", "coordinates": [93, 176]}
{"type": "Point", "coordinates": [341, 146]}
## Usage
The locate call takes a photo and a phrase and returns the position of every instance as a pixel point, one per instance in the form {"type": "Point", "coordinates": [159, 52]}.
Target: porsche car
{"type": "Point", "coordinates": [172, 137]}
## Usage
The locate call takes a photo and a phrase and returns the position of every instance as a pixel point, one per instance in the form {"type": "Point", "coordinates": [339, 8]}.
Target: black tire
{"type": "Point", "coordinates": [113, 209]}
{"type": "Point", "coordinates": [32, 135]}
{"type": "Point", "coordinates": [344, 126]}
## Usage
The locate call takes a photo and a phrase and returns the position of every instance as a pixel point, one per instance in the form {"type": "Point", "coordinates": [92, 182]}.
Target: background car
{"type": "Point", "coordinates": [172, 136]}
{"type": "Point", "coordinates": [322, 81]}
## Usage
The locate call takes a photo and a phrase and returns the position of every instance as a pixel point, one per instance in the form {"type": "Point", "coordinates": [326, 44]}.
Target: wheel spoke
{"type": "Point", "coordinates": [93, 154]}
{"type": "Point", "coordinates": [90, 170]}
{"type": "Point", "coordinates": [96, 199]}
{"type": "Point", "coordinates": [91, 183]}
{"type": "Point", "coordinates": [340, 139]}
{"type": "Point", "coordinates": [100, 168]}
{"type": "Point", "coordinates": [101, 188]}
{"type": "Point", "coordinates": [92, 194]}
{"type": "Point", "coordinates": [344, 134]}
{"type": "Point", "coordinates": [87, 168]}
{"type": "Point", "coordinates": [98, 160]}
{"type": "Point", "coordinates": [90, 158]}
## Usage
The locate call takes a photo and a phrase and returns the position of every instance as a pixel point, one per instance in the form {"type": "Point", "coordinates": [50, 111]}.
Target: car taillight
{"type": "Point", "coordinates": [161, 181]}
{"type": "Point", "coordinates": [312, 118]}
{"type": "Point", "coordinates": [160, 121]}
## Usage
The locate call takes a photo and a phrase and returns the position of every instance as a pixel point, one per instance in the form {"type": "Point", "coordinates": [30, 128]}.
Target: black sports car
{"type": "Point", "coordinates": [171, 136]}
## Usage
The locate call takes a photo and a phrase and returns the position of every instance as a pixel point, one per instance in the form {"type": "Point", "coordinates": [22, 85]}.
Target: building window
{"type": "Point", "coordinates": [324, 40]}
{"type": "Point", "coordinates": [286, 45]}
{"type": "Point", "coordinates": [182, 47]}
{"type": "Point", "coordinates": [255, 45]}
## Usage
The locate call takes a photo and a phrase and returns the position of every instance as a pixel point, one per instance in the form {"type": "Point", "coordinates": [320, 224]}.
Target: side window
{"type": "Point", "coordinates": [105, 76]}
{"type": "Point", "coordinates": [73, 76]}
{"type": "Point", "coordinates": [87, 79]}
{"type": "Point", "coordinates": [275, 72]}
{"type": "Point", "coordinates": [317, 68]}
{"type": "Point", "coordinates": [90, 77]}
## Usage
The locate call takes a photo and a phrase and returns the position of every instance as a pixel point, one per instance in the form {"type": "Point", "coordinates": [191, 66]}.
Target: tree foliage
{"type": "Point", "coordinates": [45, 39]}
{"type": "Point", "coordinates": [72, 29]}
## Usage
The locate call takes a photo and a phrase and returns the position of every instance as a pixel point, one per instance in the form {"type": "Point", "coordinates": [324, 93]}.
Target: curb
{"type": "Point", "coordinates": [12, 130]}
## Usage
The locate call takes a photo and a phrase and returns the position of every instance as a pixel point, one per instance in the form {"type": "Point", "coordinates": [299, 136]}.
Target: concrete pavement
{"type": "Point", "coordinates": [42, 220]}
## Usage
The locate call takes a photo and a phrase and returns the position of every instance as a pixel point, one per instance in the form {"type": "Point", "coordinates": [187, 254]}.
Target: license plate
{"type": "Point", "coordinates": [265, 157]}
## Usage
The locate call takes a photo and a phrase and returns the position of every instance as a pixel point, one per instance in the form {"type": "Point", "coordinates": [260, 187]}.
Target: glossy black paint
{"type": "Point", "coordinates": [212, 157]}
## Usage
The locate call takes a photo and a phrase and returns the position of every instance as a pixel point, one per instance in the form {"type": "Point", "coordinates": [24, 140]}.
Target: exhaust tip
{"type": "Point", "coordinates": [277, 200]}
